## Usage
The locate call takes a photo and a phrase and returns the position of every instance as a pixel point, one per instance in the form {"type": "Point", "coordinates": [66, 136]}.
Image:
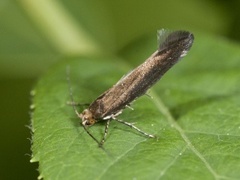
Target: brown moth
{"type": "Point", "coordinates": [172, 47]}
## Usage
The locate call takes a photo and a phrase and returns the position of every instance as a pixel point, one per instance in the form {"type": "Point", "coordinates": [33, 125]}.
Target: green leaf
{"type": "Point", "coordinates": [194, 112]}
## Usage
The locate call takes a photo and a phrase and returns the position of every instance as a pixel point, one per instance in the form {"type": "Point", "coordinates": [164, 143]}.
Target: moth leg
{"type": "Point", "coordinates": [134, 127]}
{"type": "Point", "coordinates": [148, 95]}
{"type": "Point", "coordinates": [128, 106]}
{"type": "Point", "coordinates": [71, 103]}
{"type": "Point", "coordinates": [105, 132]}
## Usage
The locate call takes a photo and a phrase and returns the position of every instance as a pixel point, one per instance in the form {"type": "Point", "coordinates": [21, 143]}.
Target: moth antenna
{"type": "Point", "coordinates": [71, 91]}
{"type": "Point", "coordinates": [75, 109]}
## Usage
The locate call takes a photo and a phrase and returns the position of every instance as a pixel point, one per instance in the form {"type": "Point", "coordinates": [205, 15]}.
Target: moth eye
{"type": "Point", "coordinates": [90, 122]}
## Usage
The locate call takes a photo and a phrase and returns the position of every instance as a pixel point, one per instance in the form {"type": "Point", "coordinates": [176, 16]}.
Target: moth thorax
{"type": "Point", "coordinates": [87, 118]}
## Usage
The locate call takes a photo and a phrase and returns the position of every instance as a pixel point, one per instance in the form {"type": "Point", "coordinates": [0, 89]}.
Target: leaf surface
{"type": "Point", "coordinates": [194, 113]}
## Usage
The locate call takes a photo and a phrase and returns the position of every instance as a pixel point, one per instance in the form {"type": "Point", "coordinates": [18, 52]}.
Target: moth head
{"type": "Point", "coordinates": [87, 118]}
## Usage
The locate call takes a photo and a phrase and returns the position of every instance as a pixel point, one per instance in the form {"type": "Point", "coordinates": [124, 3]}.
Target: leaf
{"type": "Point", "coordinates": [194, 112]}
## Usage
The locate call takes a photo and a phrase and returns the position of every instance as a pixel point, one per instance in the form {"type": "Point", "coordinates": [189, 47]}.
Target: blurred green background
{"type": "Point", "coordinates": [35, 35]}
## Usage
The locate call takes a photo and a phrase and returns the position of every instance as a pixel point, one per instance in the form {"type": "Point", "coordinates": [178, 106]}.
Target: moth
{"type": "Point", "coordinates": [172, 47]}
